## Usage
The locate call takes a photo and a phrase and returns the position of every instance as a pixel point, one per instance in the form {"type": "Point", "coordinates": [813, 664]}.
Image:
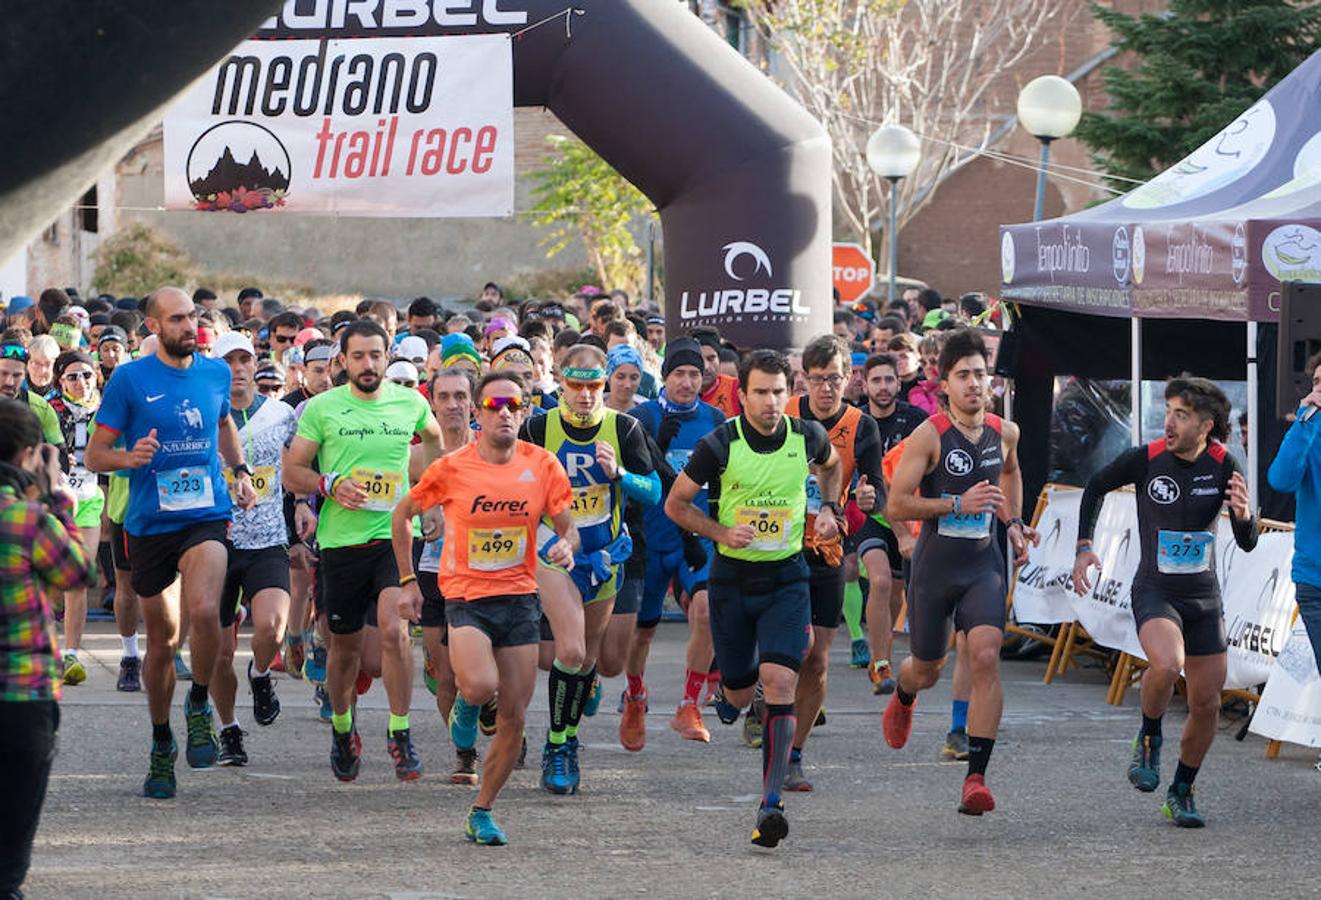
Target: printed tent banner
{"type": "Point", "coordinates": [1290, 707]}
{"type": "Point", "coordinates": [378, 127]}
{"type": "Point", "coordinates": [1212, 237]}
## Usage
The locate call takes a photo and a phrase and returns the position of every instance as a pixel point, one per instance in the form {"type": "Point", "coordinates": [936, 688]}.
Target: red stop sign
{"type": "Point", "coordinates": [852, 271]}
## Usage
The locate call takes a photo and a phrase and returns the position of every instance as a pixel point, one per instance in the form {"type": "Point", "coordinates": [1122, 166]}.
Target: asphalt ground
{"type": "Point", "coordinates": [675, 819]}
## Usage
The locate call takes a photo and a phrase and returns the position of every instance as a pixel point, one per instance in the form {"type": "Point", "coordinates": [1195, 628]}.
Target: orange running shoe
{"type": "Point", "coordinates": [687, 722]}
{"type": "Point", "coordinates": [977, 797]}
{"type": "Point", "coordinates": [897, 723]}
{"type": "Point", "coordinates": [633, 724]}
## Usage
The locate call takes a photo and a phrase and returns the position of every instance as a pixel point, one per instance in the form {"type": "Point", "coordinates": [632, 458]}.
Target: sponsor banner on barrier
{"type": "Point", "coordinates": [1290, 707]}
{"type": "Point", "coordinates": [379, 127]}
{"type": "Point", "coordinates": [1256, 589]}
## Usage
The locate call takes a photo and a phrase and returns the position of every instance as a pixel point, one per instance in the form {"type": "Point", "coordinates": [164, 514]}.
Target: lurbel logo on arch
{"type": "Point", "coordinates": [336, 18]}
{"type": "Point", "coordinates": [757, 298]}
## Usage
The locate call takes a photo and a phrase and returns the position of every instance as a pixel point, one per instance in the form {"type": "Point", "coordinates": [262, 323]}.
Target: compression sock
{"type": "Point", "coordinates": [692, 686]}
{"type": "Point", "coordinates": [1150, 726]}
{"type": "Point", "coordinates": [130, 645]}
{"type": "Point", "coordinates": [342, 722]}
{"type": "Point", "coordinates": [398, 723]}
{"type": "Point", "coordinates": [161, 733]}
{"type": "Point", "coordinates": [904, 697]}
{"type": "Point", "coordinates": [958, 719]}
{"type": "Point", "coordinates": [561, 683]}
{"type": "Point", "coordinates": [853, 609]}
{"type": "Point", "coordinates": [635, 685]}
{"type": "Point", "coordinates": [197, 694]}
{"type": "Point", "coordinates": [581, 687]}
{"type": "Point", "coordinates": [979, 754]}
{"type": "Point", "coordinates": [777, 741]}
{"type": "Point", "coordinates": [1184, 773]}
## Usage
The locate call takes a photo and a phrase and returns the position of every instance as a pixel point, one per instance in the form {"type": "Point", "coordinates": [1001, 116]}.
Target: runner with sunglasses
{"type": "Point", "coordinates": [358, 435]}
{"type": "Point", "coordinates": [74, 405]}
{"type": "Point", "coordinates": [493, 492]}
{"type": "Point", "coordinates": [13, 370]}
{"type": "Point", "coordinates": [606, 457]}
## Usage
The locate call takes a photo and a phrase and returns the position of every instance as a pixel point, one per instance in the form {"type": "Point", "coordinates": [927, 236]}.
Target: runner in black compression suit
{"type": "Point", "coordinates": [1182, 481]}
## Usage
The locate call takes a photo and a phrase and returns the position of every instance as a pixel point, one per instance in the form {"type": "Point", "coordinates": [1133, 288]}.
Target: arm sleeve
{"type": "Point", "coordinates": [1127, 468]}
{"type": "Point", "coordinates": [867, 452]}
{"type": "Point", "coordinates": [818, 442]}
{"type": "Point", "coordinates": [1245, 533]}
{"type": "Point", "coordinates": [708, 459]}
{"type": "Point", "coordinates": [1290, 464]}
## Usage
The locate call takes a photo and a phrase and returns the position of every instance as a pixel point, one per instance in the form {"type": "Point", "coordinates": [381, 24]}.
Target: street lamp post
{"type": "Point", "coordinates": [1049, 108]}
{"type": "Point", "coordinates": [893, 152]}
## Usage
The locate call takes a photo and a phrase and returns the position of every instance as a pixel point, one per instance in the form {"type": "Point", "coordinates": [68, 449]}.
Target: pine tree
{"type": "Point", "coordinates": [1198, 66]}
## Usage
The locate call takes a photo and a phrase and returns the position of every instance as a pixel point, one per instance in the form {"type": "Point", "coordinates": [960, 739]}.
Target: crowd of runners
{"type": "Point", "coordinates": [529, 487]}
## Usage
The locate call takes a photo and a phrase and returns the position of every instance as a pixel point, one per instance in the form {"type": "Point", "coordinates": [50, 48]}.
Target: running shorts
{"type": "Point", "coordinates": [250, 572]}
{"type": "Point", "coordinates": [352, 581]}
{"type": "Point", "coordinates": [511, 620]}
{"type": "Point", "coordinates": [760, 613]}
{"type": "Point", "coordinates": [1201, 619]}
{"type": "Point", "coordinates": [663, 568]}
{"type": "Point", "coordinates": [154, 558]}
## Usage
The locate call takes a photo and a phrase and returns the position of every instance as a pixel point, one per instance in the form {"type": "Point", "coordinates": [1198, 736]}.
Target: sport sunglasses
{"type": "Point", "coordinates": [495, 404]}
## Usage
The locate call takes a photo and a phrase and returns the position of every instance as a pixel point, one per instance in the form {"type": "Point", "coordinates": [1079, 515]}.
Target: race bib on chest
{"type": "Point", "coordinates": [591, 505]}
{"type": "Point", "coordinates": [494, 549]}
{"type": "Point", "coordinates": [966, 526]}
{"type": "Point", "coordinates": [1184, 552]}
{"type": "Point", "coordinates": [771, 524]}
{"type": "Point", "coordinates": [263, 482]}
{"type": "Point", "coordinates": [183, 489]}
{"type": "Point", "coordinates": [83, 483]}
{"type": "Point", "coordinates": [382, 488]}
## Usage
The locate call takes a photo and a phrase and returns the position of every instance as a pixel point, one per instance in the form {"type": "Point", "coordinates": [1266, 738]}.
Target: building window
{"type": "Point", "coordinates": [86, 210]}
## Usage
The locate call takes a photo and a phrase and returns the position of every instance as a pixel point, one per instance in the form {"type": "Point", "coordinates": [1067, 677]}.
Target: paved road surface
{"type": "Point", "coordinates": [673, 820]}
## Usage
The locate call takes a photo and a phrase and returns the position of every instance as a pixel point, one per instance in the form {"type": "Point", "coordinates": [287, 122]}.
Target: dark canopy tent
{"type": "Point", "coordinates": [1198, 255]}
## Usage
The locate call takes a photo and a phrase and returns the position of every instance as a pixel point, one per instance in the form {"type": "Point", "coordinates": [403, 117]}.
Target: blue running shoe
{"type": "Point", "coordinates": [483, 830]}
{"type": "Point", "coordinates": [314, 669]}
{"type": "Point", "coordinates": [1144, 770]}
{"type": "Point", "coordinates": [160, 776]}
{"type": "Point", "coordinates": [203, 744]}
{"type": "Point", "coordinates": [181, 670]}
{"type": "Point", "coordinates": [593, 698]}
{"type": "Point", "coordinates": [463, 723]}
{"type": "Point", "coordinates": [1179, 807]}
{"type": "Point", "coordinates": [555, 769]}
{"type": "Point", "coordinates": [726, 712]}
{"type": "Point", "coordinates": [575, 775]}
{"type": "Point", "coordinates": [326, 710]}
{"type": "Point", "coordinates": [861, 654]}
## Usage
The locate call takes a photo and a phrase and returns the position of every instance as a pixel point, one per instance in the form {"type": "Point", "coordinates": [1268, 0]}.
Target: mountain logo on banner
{"type": "Point", "coordinates": [220, 183]}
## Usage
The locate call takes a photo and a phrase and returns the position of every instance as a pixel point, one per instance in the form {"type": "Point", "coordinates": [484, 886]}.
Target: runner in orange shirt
{"type": "Point", "coordinates": [494, 493]}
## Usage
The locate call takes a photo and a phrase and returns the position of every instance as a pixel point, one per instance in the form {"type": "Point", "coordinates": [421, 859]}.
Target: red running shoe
{"type": "Point", "coordinates": [977, 797]}
{"type": "Point", "coordinates": [897, 723]}
{"type": "Point", "coordinates": [364, 683]}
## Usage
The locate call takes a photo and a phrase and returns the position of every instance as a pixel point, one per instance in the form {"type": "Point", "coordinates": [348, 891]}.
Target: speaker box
{"type": "Point", "coordinates": [1299, 338]}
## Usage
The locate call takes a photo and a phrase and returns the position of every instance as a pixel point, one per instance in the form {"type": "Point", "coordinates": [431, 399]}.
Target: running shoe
{"type": "Point", "coordinates": [772, 827]}
{"type": "Point", "coordinates": [593, 702]}
{"type": "Point", "coordinates": [277, 664]}
{"type": "Point", "coordinates": [820, 718]}
{"type": "Point", "coordinates": [314, 668]}
{"type": "Point", "coordinates": [712, 689]}
{"type": "Point", "coordinates": [794, 779]}
{"type": "Point", "coordinates": [882, 679]}
{"type": "Point", "coordinates": [181, 670]}
{"type": "Point", "coordinates": [265, 705]}
{"type": "Point", "coordinates": [726, 712]}
{"type": "Point", "coordinates": [687, 723]}
{"type": "Point", "coordinates": [345, 754]}
{"type": "Point", "coordinates": [956, 744]}
{"type": "Point", "coordinates": [633, 724]}
{"type": "Point", "coordinates": [323, 698]}
{"type": "Point", "coordinates": [74, 673]}
{"type": "Point", "coordinates": [752, 730]}
{"type": "Point", "coordinates": [486, 718]}
{"type": "Point", "coordinates": [1180, 808]}
{"type": "Point", "coordinates": [130, 675]}
{"type": "Point", "coordinates": [897, 722]}
{"type": "Point", "coordinates": [1144, 770]}
{"type": "Point", "coordinates": [407, 764]}
{"type": "Point", "coordinates": [203, 745]}
{"type": "Point", "coordinates": [231, 747]}
{"type": "Point", "coordinates": [575, 774]}
{"type": "Point", "coordinates": [363, 683]}
{"type": "Point", "coordinates": [861, 654]}
{"type": "Point", "coordinates": [295, 656]}
{"type": "Point", "coordinates": [555, 769]}
{"type": "Point", "coordinates": [463, 723]}
{"type": "Point", "coordinates": [977, 797]}
{"type": "Point", "coordinates": [465, 767]}
{"type": "Point", "coordinates": [483, 830]}
{"type": "Point", "coordinates": [160, 774]}
{"type": "Point", "coordinates": [623, 695]}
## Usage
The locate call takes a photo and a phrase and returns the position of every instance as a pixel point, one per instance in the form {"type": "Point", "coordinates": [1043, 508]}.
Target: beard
{"type": "Point", "coordinates": [367, 382]}
{"type": "Point", "coordinates": [502, 441]}
{"type": "Point", "coordinates": [180, 349]}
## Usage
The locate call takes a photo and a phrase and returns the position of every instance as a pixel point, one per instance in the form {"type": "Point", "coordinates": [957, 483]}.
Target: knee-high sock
{"type": "Point", "coordinates": [582, 684]}
{"type": "Point", "coordinates": [777, 741]}
{"type": "Point", "coordinates": [561, 684]}
{"type": "Point", "coordinates": [853, 609]}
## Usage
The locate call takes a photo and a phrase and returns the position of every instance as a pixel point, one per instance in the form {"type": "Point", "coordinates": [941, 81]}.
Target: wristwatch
{"type": "Point", "coordinates": [835, 509]}
{"type": "Point", "coordinates": [241, 469]}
